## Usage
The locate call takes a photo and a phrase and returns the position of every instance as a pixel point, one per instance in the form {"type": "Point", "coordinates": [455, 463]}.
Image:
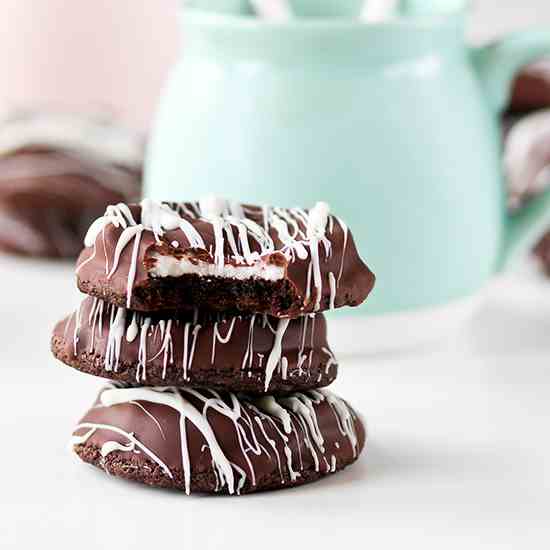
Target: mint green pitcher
{"type": "Point", "coordinates": [393, 124]}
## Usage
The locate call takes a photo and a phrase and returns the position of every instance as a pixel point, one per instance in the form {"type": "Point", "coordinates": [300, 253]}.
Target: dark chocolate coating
{"type": "Point", "coordinates": [157, 428]}
{"type": "Point", "coordinates": [531, 90]}
{"type": "Point", "coordinates": [282, 298]}
{"type": "Point", "coordinates": [49, 197]}
{"type": "Point", "coordinates": [542, 253]}
{"type": "Point", "coordinates": [236, 365]}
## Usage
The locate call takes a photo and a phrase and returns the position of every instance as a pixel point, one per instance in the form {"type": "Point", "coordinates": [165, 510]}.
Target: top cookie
{"type": "Point", "coordinates": [223, 256]}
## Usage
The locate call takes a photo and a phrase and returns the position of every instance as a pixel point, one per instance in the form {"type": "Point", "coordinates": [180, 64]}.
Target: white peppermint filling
{"type": "Point", "coordinates": [169, 266]}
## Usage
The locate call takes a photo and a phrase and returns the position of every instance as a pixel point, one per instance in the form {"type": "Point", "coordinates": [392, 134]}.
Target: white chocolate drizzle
{"type": "Point", "coordinates": [217, 337]}
{"type": "Point", "coordinates": [110, 446]}
{"type": "Point", "coordinates": [269, 405]}
{"type": "Point", "coordinates": [293, 416]}
{"type": "Point", "coordinates": [27, 168]}
{"type": "Point", "coordinates": [332, 284]}
{"type": "Point", "coordinates": [88, 136]}
{"type": "Point", "coordinates": [114, 342]}
{"type": "Point", "coordinates": [79, 440]}
{"type": "Point", "coordinates": [331, 360]}
{"type": "Point", "coordinates": [275, 355]}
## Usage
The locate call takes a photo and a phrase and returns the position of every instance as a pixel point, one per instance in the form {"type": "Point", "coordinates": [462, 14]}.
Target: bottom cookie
{"type": "Point", "coordinates": [218, 442]}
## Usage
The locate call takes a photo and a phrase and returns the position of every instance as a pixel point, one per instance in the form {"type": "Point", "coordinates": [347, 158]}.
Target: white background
{"type": "Point", "coordinates": [458, 450]}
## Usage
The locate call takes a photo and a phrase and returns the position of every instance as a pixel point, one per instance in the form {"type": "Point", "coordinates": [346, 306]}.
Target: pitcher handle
{"type": "Point", "coordinates": [497, 65]}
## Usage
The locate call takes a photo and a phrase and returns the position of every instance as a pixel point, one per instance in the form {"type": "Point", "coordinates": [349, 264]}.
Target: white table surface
{"type": "Point", "coordinates": [458, 450]}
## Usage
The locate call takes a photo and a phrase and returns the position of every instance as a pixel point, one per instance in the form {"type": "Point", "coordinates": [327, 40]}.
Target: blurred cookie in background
{"type": "Point", "coordinates": [58, 172]}
{"type": "Point", "coordinates": [527, 155]}
{"type": "Point", "coordinates": [527, 132]}
{"type": "Point", "coordinates": [526, 127]}
{"type": "Point", "coordinates": [532, 88]}
{"type": "Point", "coordinates": [542, 252]}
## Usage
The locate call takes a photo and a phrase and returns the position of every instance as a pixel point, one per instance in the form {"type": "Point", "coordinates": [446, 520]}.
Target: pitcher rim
{"type": "Point", "coordinates": [255, 24]}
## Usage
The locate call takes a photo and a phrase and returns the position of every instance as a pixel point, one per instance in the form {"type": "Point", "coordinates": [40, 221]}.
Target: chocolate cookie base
{"type": "Point", "coordinates": [231, 296]}
{"type": "Point", "coordinates": [232, 378]}
{"type": "Point", "coordinates": [212, 293]}
{"type": "Point", "coordinates": [148, 473]}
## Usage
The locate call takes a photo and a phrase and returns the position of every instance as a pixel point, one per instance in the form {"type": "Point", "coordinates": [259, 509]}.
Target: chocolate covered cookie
{"type": "Point", "coordinates": [223, 256]}
{"type": "Point", "coordinates": [211, 442]}
{"type": "Point", "coordinates": [57, 174]}
{"type": "Point", "coordinates": [527, 143]}
{"type": "Point", "coordinates": [252, 353]}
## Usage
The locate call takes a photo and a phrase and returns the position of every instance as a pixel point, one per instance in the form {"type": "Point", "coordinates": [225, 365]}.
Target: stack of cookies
{"type": "Point", "coordinates": [207, 319]}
